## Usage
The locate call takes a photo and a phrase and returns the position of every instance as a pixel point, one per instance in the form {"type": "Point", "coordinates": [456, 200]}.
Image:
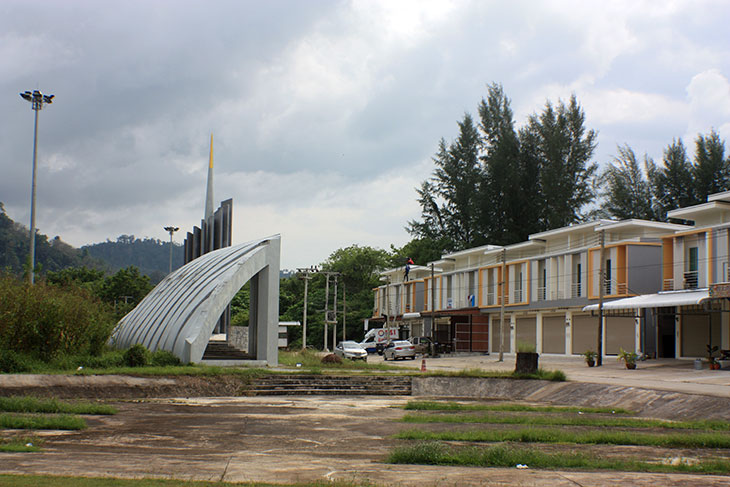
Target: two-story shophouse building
{"type": "Point", "coordinates": [691, 310]}
{"type": "Point", "coordinates": [532, 292]}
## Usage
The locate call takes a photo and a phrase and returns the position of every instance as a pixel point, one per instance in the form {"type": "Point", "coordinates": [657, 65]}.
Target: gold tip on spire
{"type": "Point", "coordinates": [210, 164]}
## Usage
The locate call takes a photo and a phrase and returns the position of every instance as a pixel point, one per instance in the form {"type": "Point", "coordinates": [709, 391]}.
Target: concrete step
{"type": "Point", "coordinates": [331, 385]}
{"type": "Point", "coordinates": [218, 350]}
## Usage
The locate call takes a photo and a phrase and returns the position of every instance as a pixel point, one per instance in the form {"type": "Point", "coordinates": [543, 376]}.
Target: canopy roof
{"type": "Point", "coordinates": [658, 300]}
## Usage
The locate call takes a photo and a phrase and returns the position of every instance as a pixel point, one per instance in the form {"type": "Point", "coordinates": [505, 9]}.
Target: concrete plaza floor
{"type": "Point", "coordinates": [659, 374]}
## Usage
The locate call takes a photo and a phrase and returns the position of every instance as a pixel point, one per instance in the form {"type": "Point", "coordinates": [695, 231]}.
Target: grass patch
{"type": "Point", "coordinates": [34, 422]}
{"type": "Point", "coordinates": [674, 440]}
{"type": "Point", "coordinates": [455, 406]}
{"type": "Point", "coordinates": [435, 453]}
{"type": "Point", "coordinates": [53, 481]}
{"type": "Point", "coordinates": [19, 445]}
{"type": "Point", "coordinates": [568, 421]}
{"type": "Point", "coordinates": [16, 404]}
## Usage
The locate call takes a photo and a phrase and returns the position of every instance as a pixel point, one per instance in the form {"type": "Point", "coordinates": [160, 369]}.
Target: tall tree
{"type": "Point", "coordinates": [711, 168]}
{"type": "Point", "coordinates": [564, 149]}
{"type": "Point", "coordinates": [449, 207]}
{"type": "Point", "coordinates": [672, 182]}
{"type": "Point", "coordinates": [628, 193]}
{"type": "Point", "coordinates": [508, 176]}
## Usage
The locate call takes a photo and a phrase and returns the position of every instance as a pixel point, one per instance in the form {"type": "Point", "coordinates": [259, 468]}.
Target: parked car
{"type": "Point", "coordinates": [351, 350]}
{"type": "Point", "coordinates": [399, 349]}
{"type": "Point", "coordinates": [422, 344]}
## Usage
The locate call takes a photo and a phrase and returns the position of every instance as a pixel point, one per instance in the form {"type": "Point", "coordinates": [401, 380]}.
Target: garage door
{"type": "Point", "coordinates": [585, 333]}
{"type": "Point", "coordinates": [619, 334]}
{"type": "Point", "coordinates": [553, 334]}
{"type": "Point", "coordinates": [526, 332]}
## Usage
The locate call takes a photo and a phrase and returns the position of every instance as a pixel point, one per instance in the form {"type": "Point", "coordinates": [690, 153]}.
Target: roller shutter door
{"type": "Point", "coordinates": [526, 331]}
{"type": "Point", "coordinates": [585, 333]}
{"type": "Point", "coordinates": [553, 334]}
{"type": "Point", "coordinates": [620, 333]}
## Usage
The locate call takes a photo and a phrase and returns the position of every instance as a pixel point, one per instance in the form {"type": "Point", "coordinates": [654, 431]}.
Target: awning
{"type": "Point", "coordinates": [659, 300]}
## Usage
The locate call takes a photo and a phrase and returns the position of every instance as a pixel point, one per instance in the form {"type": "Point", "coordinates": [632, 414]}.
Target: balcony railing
{"type": "Point", "coordinates": [491, 298]}
{"type": "Point", "coordinates": [575, 290]}
{"type": "Point", "coordinates": [668, 285]}
{"type": "Point", "coordinates": [691, 280]}
{"type": "Point", "coordinates": [541, 293]}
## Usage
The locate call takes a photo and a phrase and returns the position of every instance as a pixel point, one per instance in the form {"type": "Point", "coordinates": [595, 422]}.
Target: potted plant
{"type": "Point", "coordinates": [590, 357]}
{"type": "Point", "coordinates": [714, 365]}
{"type": "Point", "coordinates": [629, 358]}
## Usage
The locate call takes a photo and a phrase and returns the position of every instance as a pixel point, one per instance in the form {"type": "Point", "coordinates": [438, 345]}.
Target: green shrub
{"type": "Point", "coordinates": [136, 356]}
{"type": "Point", "coordinates": [47, 321]}
{"type": "Point", "coordinates": [13, 363]}
{"type": "Point", "coordinates": [164, 358]}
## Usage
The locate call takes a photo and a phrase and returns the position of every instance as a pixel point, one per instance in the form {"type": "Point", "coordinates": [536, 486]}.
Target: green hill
{"type": "Point", "coordinates": [151, 256]}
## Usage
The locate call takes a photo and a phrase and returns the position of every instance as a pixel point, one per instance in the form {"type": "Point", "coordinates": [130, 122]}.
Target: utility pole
{"type": "Point", "coordinates": [334, 324]}
{"type": "Point", "coordinates": [601, 288]}
{"type": "Point", "coordinates": [387, 308]}
{"type": "Point", "coordinates": [433, 311]}
{"type": "Point", "coordinates": [327, 315]}
{"type": "Point", "coordinates": [304, 275]}
{"type": "Point", "coordinates": [344, 311]}
{"type": "Point", "coordinates": [326, 309]}
{"type": "Point", "coordinates": [501, 308]}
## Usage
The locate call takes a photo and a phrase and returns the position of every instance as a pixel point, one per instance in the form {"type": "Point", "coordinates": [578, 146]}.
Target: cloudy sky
{"type": "Point", "coordinates": [325, 114]}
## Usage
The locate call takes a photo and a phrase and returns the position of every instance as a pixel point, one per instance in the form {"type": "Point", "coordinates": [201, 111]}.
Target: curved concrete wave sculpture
{"type": "Point", "coordinates": [180, 313]}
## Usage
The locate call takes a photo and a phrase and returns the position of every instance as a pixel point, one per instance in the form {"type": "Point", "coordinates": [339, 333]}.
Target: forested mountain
{"type": "Point", "coordinates": [50, 255]}
{"type": "Point", "coordinates": [151, 256]}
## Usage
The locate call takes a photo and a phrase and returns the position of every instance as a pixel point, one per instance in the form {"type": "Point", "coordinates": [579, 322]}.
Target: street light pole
{"type": "Point", "coordinates": [172, 230]}
{"type": "Point", "coordinates": [36, 99]}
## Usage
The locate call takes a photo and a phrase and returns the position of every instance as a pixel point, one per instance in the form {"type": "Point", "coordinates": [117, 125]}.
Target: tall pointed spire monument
{"type": "Point", "coordinates": [209, 205]}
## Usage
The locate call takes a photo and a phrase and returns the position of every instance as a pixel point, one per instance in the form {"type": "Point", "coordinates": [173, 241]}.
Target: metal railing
{"type": "Point", "coordinates": [576, 289]}
{"type": "Point", "coordinates": [691, 280]}
{"type": "Point", "coordinates": [668, 285]}
{"type": "Point", "coordinates": [541, 293]}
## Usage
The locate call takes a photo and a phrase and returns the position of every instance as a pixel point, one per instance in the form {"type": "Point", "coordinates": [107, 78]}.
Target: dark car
{"type": "Point", "coordinates": [422, 344]}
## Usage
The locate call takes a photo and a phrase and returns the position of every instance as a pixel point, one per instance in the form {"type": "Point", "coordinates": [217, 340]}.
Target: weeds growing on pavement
{"type": "Point", "coordinates": [455, 406]}
{"type": "Point", "coordinates": [19, 445]}
{"type": "Point", "coordinates": [567, 421]}
{"type": "Point", "coordinates": [539, 435]}
{"type": "Point", "coordinates": [26, 404]}
{"type": "Point", "coordinates": [435, 453]}
{"type": "Point", "coordinates": [34, 422]}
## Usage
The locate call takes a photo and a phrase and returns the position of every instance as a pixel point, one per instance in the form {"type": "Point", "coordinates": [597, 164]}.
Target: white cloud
{"type": "Point", "coordinates": [708, 95]}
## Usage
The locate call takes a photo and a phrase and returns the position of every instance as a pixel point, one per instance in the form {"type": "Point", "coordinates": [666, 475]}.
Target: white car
{"type": "Point", "coordinates": [399, 349]}
{"type": "Point", "coordinates": [351, 350]}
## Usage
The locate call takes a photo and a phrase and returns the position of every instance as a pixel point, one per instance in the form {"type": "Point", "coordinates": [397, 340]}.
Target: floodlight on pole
{"type": "Point", "coordinates": [171, 230]}
{"type": "Point", "coordinates": [37, 100]}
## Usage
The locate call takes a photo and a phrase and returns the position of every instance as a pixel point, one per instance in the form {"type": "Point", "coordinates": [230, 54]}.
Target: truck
{"type": "Point", "coordinates": [376, 338]}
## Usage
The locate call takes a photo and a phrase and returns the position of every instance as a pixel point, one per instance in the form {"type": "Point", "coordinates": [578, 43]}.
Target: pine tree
{"type": "Point", "coordinates": [628, 193]}
{"type": "Point", "coordinates": [564, 149]}
{"type": "Point", "coordinates": [711, 169]}
{"type": "Point", "coordinates": [449, 204]}
{"type": "Point", "coordinates": [671, 183]}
